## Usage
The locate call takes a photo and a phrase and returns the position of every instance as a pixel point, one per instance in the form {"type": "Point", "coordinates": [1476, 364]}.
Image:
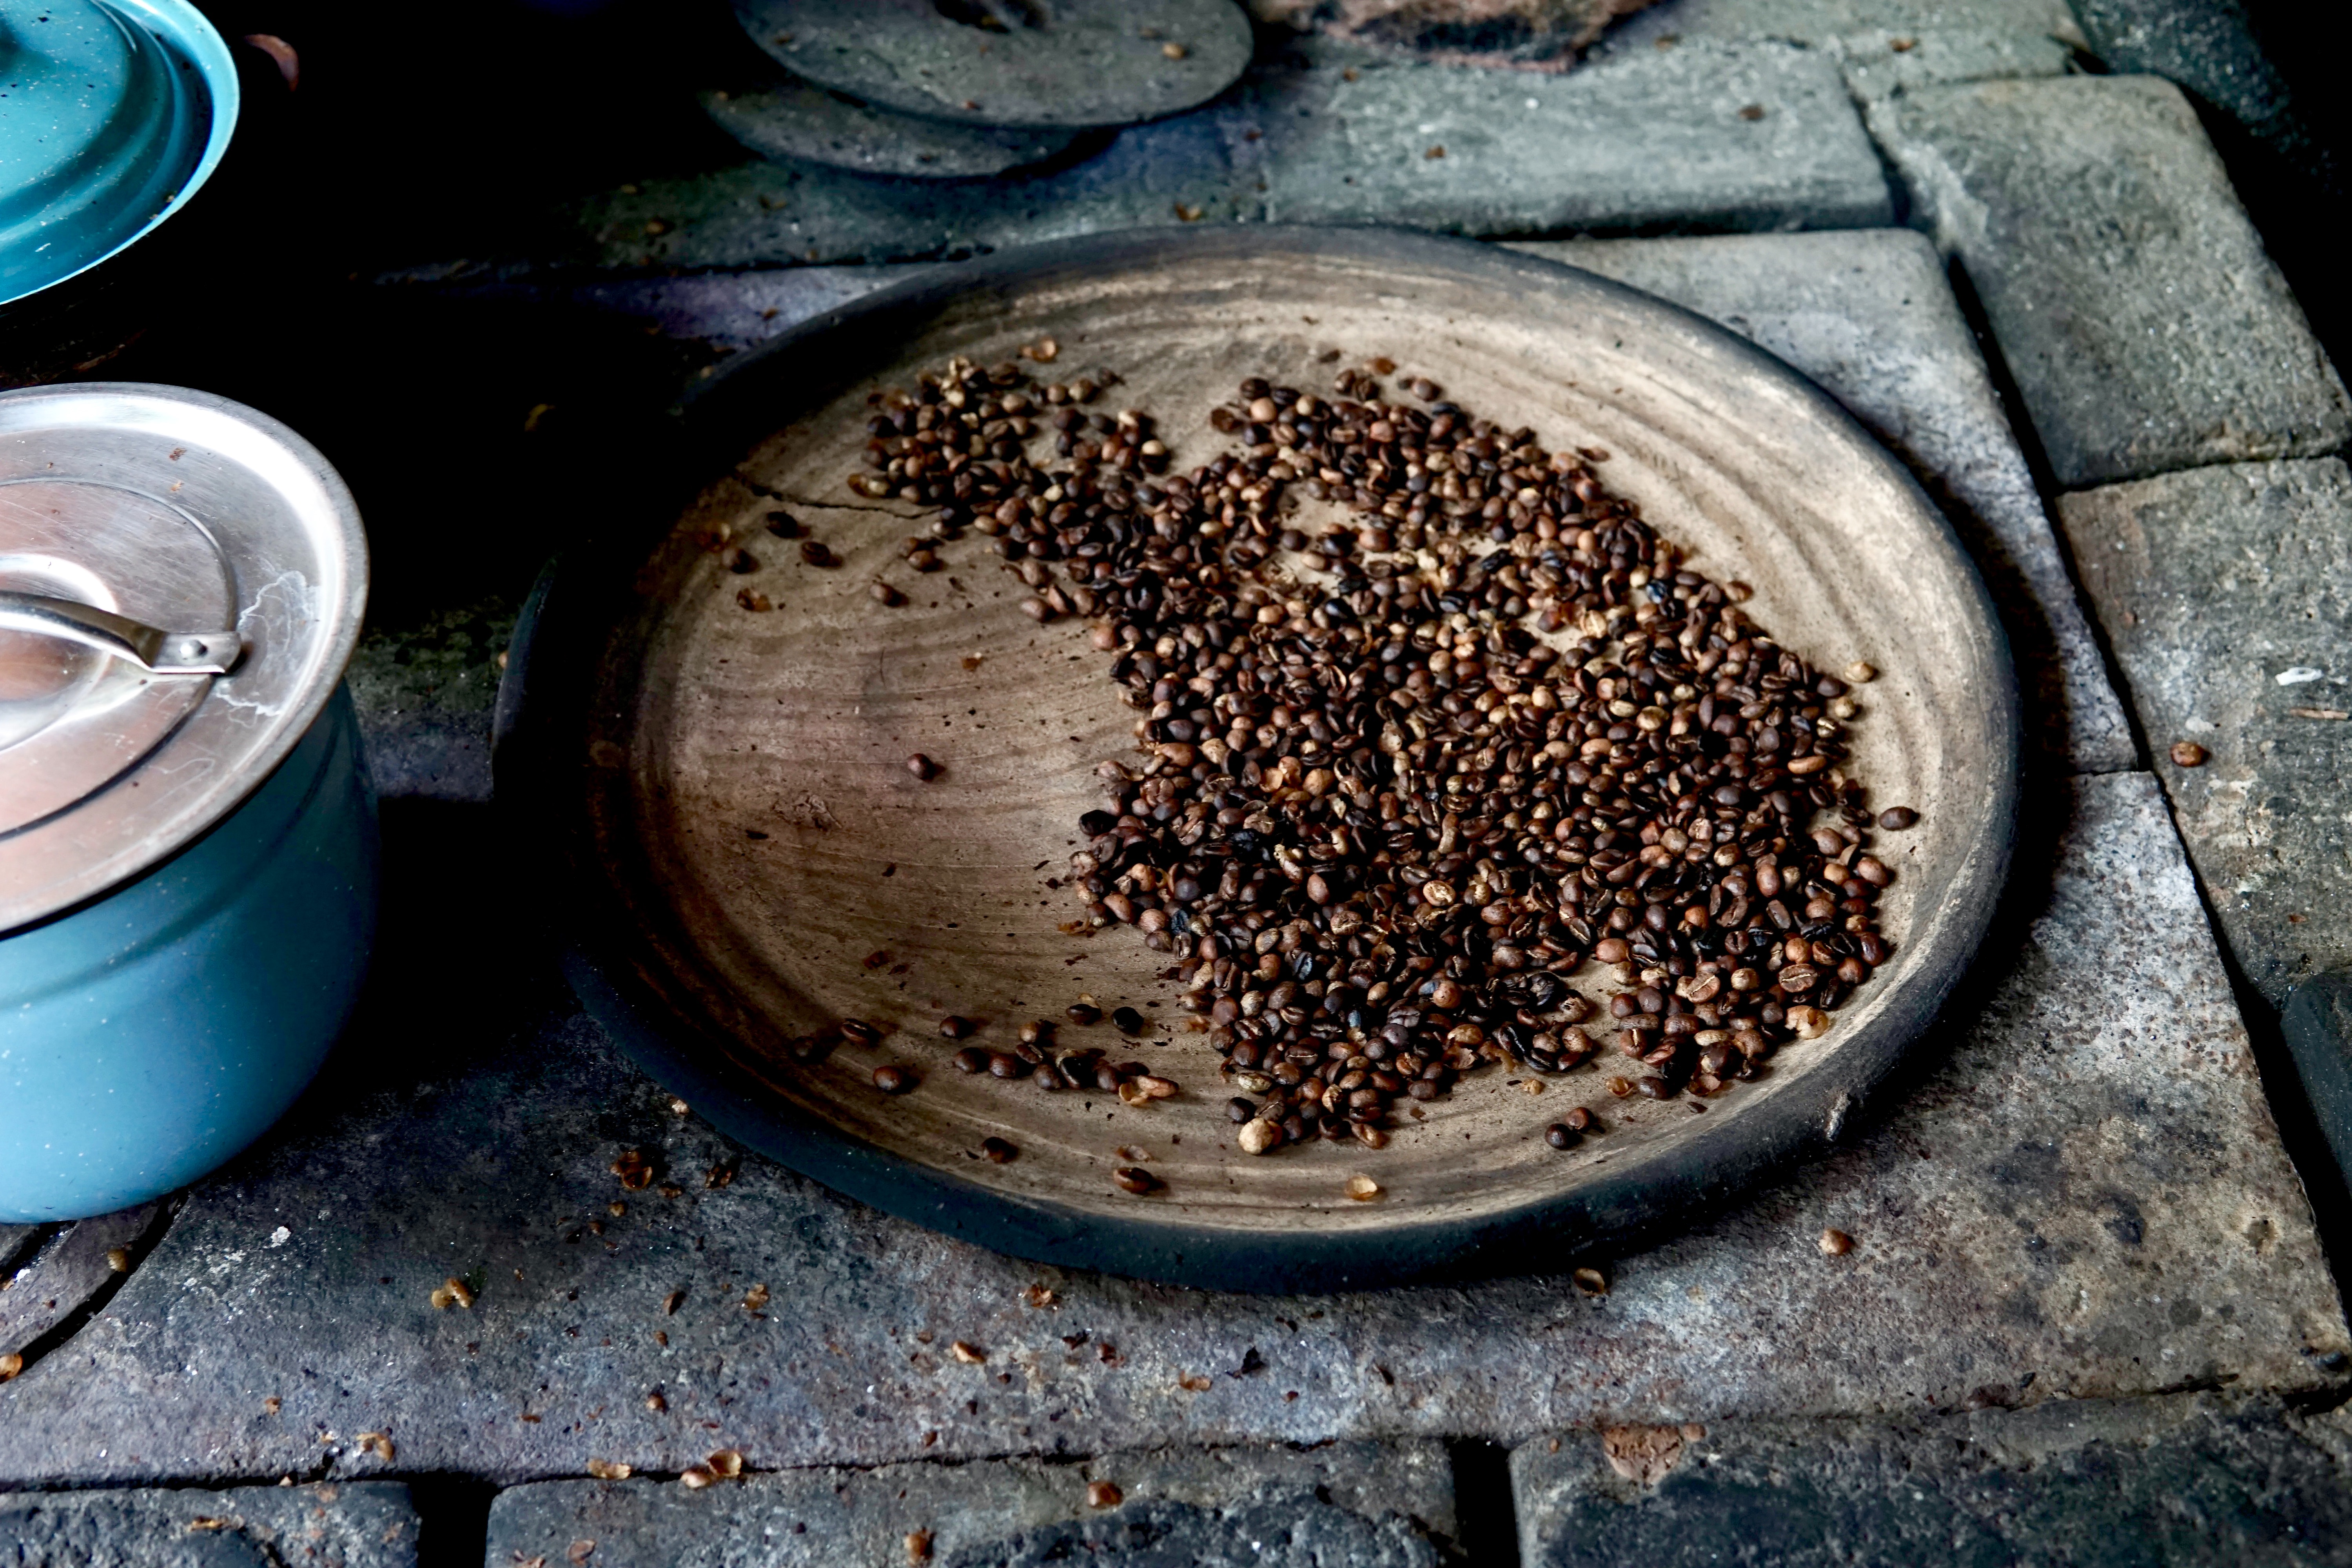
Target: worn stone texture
{"type": "Point", "coordinates": [2209, 47]}
{"type": "Point", "coordinates": [1868, 315]}
{"type": "Point", "coordinates": [62, 1276]}
{"type": "Point", "coordinates": [2143, 323]}
{"type": "Point", "coordinates": [2227, 596]}
{"type": "Point", "coordinates": [424, 693]}
{"type": "Point", "coordinates": [1370, 1504]}
{"type": "Point", "coordinates": [1317, 136]}
{"type": "Point", "coordinates": [334, 1526]}
{"type": "Point", "coordinates": [2186, 1479]}
{"type": "Point", "coordinates": [1883, 46]}
{"type": "Point", "coordinates": [2085, 1196]}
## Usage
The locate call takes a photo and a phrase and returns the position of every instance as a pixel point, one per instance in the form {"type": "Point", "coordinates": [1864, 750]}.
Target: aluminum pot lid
{"type": "Point", "coordinates": [180, 585]}
{"type": "Point", "coordinates": [111, 113]}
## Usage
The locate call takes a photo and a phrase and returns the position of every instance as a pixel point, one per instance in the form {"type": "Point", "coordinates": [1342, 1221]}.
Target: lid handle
{"type": "Point", "coordinates": [150, 648]}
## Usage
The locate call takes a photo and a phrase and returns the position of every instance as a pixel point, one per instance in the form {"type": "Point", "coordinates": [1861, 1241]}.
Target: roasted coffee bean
{"type": "Point", "coordinates": [893, 1080]}
{"type": "Point", "coordinates": [1135, 1179]}
{"type": "Point", "coordinates": [955, 1027]}
{"type": "Point", "coordinates": [922, 767]}
{"type": "Point", "coordinates": [971, 1058]}
{"type": "Point", "coordinates": [999, 1151]}
{"type": "Point", "coordinates": [1004, 1064]}
{"type": "Point", "coordinates": [1129, 1021]}
{"type": "Point", "coordinates": [1560, 1135]}
{"type": "Point", "coordinates": [1084, 1013]}
{"type": "Point", "coordinates": [1373, 816]}
{"type": "Point", "coordinates": [816, 552]}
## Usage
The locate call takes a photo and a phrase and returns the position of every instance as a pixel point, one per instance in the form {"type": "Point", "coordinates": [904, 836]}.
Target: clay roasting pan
{"type": "Point", "coordinates": [735, 831]}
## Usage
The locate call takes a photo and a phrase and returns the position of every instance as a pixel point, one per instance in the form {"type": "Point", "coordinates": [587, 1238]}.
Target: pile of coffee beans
{"type": "Point", "coordinates": [1401, 776]}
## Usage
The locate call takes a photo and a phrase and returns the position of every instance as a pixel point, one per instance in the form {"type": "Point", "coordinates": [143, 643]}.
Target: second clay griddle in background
{"type": "Point", "coordinates": [733, 830]}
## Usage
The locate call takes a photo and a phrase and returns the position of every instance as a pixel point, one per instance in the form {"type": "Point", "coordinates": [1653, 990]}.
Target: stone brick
{"type": "Point", "coordinates": [1325, 137]}
{"type": "Point", "coordinates": [2081, 1188]}
{"type": "Point", "coordinates": [331, 1526]}
{"type": "Point", "coordinates": [2144, 325]}
{"type": "Point", "coordinates": [2184, 1479]}
{"type": "Point", "coordinates": [1883, 46]}
{"type": "Point", "coordinates": [1377, 1505]}
{"type": "Point", "coordinates": [1868, 315]}
{"type": "Point", "coordinates": [2227, 596]}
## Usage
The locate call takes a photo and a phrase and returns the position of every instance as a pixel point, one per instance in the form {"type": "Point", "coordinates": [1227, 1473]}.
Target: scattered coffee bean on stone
{"type": "Point", "coordinates": [956, 1026]}
{"type": "Point", "coordinates": [1135, 1179]}
{"type": "Point", "coordinates": [922, 767]}
{"type": "Point", "coordinates": [1560, 1135]}
{"type": "Point", "coordinates": [1084, 1013]}
{"type": "Point", "coordinates": [2189, 754]}
{"type": "Point", "coordinates": [893, 1080]}
{"type": "Point", "coordinates": [999, 1151]}
{"type": "Point", "coordinates": [1836, 1243]}
{"type": "Point", "coordinates": [1898, 818]}
{"type": "Point", "coordinates": [1129, 1021]}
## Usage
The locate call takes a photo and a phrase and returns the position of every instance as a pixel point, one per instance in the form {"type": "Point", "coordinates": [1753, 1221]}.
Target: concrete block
{"type": "Point", "coordinates": [1377, 1505]}
{"type": "Point", "coordinates": [2133, 303]}
{"type": "Point", "coordinates": [2227, 596]}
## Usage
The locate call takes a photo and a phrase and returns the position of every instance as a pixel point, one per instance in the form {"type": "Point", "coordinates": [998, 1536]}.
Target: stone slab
{"type": "Point", "coordinates": [2209, 47]}
{"type": "Point", "coordinates": [345, 1526]}
{"type": "Point", "coordinates": [2085, 1197]}
{"type": "Point", "coordinates": [2187, 1480]}
{"type": "Point", "coordinates": [1370, 1504]}
{"type": "Point", "coordinates": [1664, 141]}
{"type": "Point", "coordinates": [2144, 325]}
{"type": "Point", "coordinates": [2317, 1029]}
{"type": "Point", "coordinates": [1868, 315]}
{"type": "Point", "coordinates": [68, 1270]}
{"type": "Point", "coordinates": [2227, 596]}
{"type": "Point", "coordinates": [1883, 46]}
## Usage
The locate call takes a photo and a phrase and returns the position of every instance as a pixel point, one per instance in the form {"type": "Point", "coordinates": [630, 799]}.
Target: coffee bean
{"type": "Point", "coordinates": [998, 1151]}
{"type": "Point", "coordinates": [956, 1027]}
{"type": "Point", "coordinates": [1129, 1021]}
{"type": "Point", "coordinates": [1372, 817]}
{"type": "Point", "coordinates": [922, 767]}
{"type": "Point", "coordinates": [1559, 1135]}
{"type": "Point", "coordinates": [1135, 1179]}
{"type": "Point", "coordinates": [1084, 1013]}
{"type": "Point", "coordinates": [2189, 754]}
{"type": "Point", "coordinates": [893, 1080]}
{"type": "Point", "coordinates": [971, 1058]}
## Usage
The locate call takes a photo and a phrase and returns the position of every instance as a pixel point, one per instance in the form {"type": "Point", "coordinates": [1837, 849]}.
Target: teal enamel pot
{"type": "Point", "coordinates": [114, 114]}
{"type": "Point", "coordinates": [188, 859]}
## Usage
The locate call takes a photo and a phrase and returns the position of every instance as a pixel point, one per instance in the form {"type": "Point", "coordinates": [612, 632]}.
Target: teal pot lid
{"type": "Point", "coordinates": [112, 112]}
